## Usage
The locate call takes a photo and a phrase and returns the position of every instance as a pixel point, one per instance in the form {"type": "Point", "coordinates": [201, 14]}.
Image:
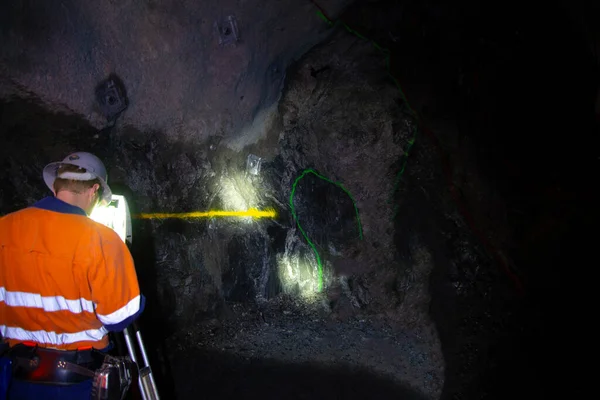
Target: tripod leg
{"type": "Point", "coordinates": [138, 334]}
{"type": "Point", "coordinates": [148, 376]}
{"type": "Point", "coordinates": [131, 350]}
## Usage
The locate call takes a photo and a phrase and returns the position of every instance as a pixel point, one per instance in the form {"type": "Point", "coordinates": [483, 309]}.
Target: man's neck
{"type": "Point", "coordinates": [73, 199]}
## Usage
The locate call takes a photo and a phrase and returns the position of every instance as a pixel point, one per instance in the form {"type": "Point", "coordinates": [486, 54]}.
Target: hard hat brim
{"type": "Point", "coordinates": [49, 174]}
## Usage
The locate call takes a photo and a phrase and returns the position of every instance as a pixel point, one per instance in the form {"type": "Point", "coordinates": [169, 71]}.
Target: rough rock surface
{"type": "Point", "coordinates": [286, 332]}
{"type": "Point", "coordinates": [346, 124]}
{"type": "Point", "coordinates": [179, 78]}
{"type": "Point", "coordinates": [407, 312]}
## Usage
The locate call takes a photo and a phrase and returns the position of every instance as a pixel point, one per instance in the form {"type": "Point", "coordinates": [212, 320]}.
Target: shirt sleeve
{"type": "Point", "coordinates": [114, 285]}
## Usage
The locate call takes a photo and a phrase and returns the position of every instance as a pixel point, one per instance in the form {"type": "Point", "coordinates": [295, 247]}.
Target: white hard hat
{"type": "Point", "coordinates": [94, 169]}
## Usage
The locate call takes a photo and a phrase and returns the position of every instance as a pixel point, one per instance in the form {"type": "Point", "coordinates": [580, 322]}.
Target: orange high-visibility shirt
{"type": "Point", "coordinates": [65, 279]}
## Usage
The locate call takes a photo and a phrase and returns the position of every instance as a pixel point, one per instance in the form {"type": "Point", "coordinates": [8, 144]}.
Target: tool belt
{"type": "Point", "coordinates": [57, 367]}
{"type": "Point", "coordinates": [111, 376]}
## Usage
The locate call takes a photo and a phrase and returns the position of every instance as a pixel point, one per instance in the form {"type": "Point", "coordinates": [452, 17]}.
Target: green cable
{"type": "Point", "coordinates": [411, 142]}
{"type": "Point", "coordinates": [386, 53]}
{"type": "Point", "coordinates": [311, 244]}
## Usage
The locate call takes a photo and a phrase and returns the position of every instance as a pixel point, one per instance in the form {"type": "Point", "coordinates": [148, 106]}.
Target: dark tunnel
{"type": "Point", "coordinates": [430, 166]}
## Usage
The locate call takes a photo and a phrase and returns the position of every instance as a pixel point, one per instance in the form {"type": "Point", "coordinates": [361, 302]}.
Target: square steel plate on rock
{"type": "Point", "coordinates": [227, 30]}
{"type": "Point", "coordinates": [110, 94]}
{"type": "Point", "coordinates": [253, 164]}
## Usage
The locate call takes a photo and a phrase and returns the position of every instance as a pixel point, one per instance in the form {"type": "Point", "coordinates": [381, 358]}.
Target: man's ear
{"type": "Point", "coordinates": [94, 189]}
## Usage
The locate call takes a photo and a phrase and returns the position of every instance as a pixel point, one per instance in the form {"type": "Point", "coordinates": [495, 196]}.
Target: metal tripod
{"type": "Point", "coordinates": [145, 379]}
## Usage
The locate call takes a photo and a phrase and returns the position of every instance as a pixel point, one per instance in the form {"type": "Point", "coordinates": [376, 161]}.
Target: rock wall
{"type": "Point", "coordinates": [393, 278]}
{"type": "Point", "coordinates": [179, 77]}
{"type": "Point", "coordinates": [345, 124]}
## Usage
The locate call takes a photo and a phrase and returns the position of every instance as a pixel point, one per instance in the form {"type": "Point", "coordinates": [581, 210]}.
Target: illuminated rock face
{"type": "Point", "coordinates": [214, 124]}
{"type": "Point", "coordinates": [345, 125]}
{"type": "Point", "coordinates": [197, 107]}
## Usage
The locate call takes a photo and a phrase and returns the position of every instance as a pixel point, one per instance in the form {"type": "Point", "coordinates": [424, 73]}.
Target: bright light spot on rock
{"type": "Point", "coordinates": [299, 275]}
{"type": "Point", "coordinates": [238, 193]}
{"type": "Point", "coordinates": [239, 199]}
{"type": "Point", "coordinates": [251, 213]}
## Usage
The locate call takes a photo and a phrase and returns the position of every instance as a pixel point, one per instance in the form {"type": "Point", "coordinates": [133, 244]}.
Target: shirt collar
{"type": "Point", "coordinates": [54, 204]}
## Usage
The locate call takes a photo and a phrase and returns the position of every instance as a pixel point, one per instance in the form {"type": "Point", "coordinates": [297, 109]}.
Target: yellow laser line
{"type": "Point", "coordinates": [252, 212]}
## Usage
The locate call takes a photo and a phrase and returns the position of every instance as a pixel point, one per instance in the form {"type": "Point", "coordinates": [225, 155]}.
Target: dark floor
{"type": "Point", "coordinates": [229, 377]}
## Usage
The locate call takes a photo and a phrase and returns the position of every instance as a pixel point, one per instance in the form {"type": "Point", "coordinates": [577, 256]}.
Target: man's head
{"type": "Point", "coordinates": [80, 180]}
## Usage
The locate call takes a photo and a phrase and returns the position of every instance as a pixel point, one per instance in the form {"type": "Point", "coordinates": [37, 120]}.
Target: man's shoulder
{"type": "Point", "coordinates": [13, 214]}
{"type": "Point", "coordinates": [76, 221]}
{"type": "Point", "coordinates": [7, 219]}
{"type": "Point", "coordinates": [18, 214]}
